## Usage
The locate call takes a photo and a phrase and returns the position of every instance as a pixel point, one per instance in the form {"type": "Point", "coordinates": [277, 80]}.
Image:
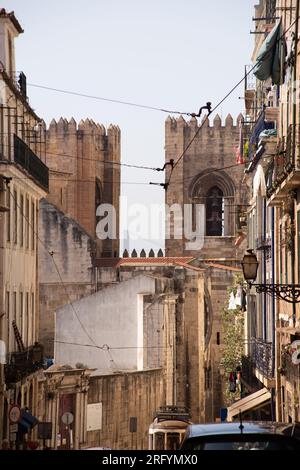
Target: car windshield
{"type": "Point", "coordinates": [238, 443]}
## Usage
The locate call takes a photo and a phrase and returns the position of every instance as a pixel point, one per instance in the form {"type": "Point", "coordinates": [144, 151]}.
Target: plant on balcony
{"type": "Point", "coordinates": [233, 341]}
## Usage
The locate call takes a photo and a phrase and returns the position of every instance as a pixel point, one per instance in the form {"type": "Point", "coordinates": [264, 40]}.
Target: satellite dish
{"type": "Point", "coordinates": [295, 346]}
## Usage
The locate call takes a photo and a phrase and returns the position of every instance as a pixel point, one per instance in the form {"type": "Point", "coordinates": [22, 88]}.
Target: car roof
{"type": "Point", "coordinates": [263, 427]}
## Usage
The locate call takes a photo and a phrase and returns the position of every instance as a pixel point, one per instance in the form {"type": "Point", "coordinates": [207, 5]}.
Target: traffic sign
{"type": "Point", "coordinates": [14, 414]}
{"type": "Point", "coordinates": [67, 418]}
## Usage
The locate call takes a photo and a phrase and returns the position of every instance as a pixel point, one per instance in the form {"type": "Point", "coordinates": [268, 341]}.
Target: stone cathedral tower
{"type": "Point", "coordinates": [207, 175]}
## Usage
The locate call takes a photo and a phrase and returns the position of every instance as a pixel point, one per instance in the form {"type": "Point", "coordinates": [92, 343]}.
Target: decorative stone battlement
{"type": "Point", "coordinates": [88, 126]}
{"type": "Point", "coordinates": [175, 124]}
{"type": "Point", "coordinates": [143, 254]}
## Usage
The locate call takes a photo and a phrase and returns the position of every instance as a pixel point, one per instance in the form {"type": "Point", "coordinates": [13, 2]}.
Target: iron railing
{"type": "Point", "coordinates": [30, 162]}
{"type": "Point", "coordinates": [262, 357]}
{"type": "Point", "coordinates": [284, 161]}
{"type": "Point", "coordinates": [20, 364]}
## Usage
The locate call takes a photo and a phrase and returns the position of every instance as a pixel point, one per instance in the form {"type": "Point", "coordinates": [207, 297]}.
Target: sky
{"type": "Point", "coordinates": [170, 54]}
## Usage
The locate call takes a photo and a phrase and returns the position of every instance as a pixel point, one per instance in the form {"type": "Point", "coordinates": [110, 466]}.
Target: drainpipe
{"type": "Point", "coordinates": [264, 271]}
{"type": "Point", "coordinates": [273, 394]}
{"type": "Point", "coordinates": [273, 278]}
{"type": "Point", "coordinates": [292, 211]}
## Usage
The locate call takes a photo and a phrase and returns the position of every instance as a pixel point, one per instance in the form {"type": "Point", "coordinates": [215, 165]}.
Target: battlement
{"type": "Point", "coordinates": [87, 126]}
{"type": "Point", "coordinates": [175, 124]}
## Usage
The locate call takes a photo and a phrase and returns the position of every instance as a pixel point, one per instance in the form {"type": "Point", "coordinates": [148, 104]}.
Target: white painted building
{"type": "Point", "coordinates": [117, 328]}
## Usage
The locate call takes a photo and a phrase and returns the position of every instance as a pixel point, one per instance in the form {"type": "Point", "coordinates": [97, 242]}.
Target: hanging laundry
{"type": "Point", "coordinates": [238, 297]}
{"type": "Point", "coordinates": [244, 301]}
{"type": "Point", "coordinates": [231, 305]}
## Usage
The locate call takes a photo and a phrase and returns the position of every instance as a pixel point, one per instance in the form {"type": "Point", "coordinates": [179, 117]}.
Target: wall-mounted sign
{"type": "Point", "coordinates": [94, 416]}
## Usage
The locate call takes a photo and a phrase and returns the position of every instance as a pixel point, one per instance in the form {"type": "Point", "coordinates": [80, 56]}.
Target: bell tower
{"type": "Point", "coordinates": [207, 176]}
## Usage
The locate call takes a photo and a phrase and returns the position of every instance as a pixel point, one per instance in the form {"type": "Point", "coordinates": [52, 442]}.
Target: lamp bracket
{"type": "Point", "coordinates": [287, 292]}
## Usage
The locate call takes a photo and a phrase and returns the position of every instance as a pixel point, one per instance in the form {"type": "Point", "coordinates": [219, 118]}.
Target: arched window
{"type": "Point", "coordinates": [98, 197]}
{"type": "Point", "coordinates": [214, 212]}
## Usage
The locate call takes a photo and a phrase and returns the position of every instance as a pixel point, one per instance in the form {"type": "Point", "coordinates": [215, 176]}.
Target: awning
{"type": "Point", "coordinates": [271, 56]}
{"type": "Point", "coordinates": [251, 402]}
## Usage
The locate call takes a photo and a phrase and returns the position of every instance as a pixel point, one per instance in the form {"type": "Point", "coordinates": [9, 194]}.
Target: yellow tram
{"type": "Point", "coordinates": [167, 430]}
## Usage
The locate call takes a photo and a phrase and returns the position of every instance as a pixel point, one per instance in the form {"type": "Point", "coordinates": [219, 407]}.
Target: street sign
{"type": "Point", "coordinates": [67, 418]}
{"type": "Point", "coordinates": [14, 414]}
{"type": "Point", "coordinates": [13, 428]}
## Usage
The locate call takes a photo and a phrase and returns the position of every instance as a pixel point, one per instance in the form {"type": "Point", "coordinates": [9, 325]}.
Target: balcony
{"type": "Point", "coordinates": [262, 243]}
{"type": "Point", "coordinates": [25, 157]}
{"type": "Point", "coordinates": [23, 363]}
{"type": "Point", "coordinates": [286, 168]}
{"type": "Point", "coordinates": [262, 357]}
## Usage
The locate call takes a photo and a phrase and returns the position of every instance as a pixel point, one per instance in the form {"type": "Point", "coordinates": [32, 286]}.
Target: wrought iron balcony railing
{"type": "Point", "coordinates": [285, 160]}
{"type": "Point", "coordinates": [23, 363]}
{"type": "Point", "coordinates": [30, 162]}
{"type": "Point", "coordinates": [262, 356]}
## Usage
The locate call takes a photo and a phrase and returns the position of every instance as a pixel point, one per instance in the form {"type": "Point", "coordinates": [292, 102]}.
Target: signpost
{"type": "Point", "coordinates": [68, 418]}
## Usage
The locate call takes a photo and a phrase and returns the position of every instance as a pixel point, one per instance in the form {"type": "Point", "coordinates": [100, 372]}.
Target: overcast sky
{"type": "Point", "coordinates": [170, 54]}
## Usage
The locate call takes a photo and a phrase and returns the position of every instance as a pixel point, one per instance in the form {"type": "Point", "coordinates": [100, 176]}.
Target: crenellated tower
{"type": "Point", "coordinates": [207, 175]}
{"type": "Point", "coordinates": [83, 160]}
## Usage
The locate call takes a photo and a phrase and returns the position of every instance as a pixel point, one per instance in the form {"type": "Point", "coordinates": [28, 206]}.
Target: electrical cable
{"type": "Point", "coordinates": [127, 103]}
{"type": "Point", "coordinates": [107, 162]}
{"type": "Point", "coordinates": [166, 185]}
{"type": "Point", "coordinates": [51, 254]}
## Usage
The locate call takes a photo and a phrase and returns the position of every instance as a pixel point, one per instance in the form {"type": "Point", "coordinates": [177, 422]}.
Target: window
{"type": "Point", "coordinates": [32, 225]}
{"type": "Point", "coordinates": [207, 378]}
{"type": "Point", "coordinates": [298, 240]}
{"type": "Point", "coordinates": [26, 322]}
{"type": "Point", "coordinates": [15, 232]}
{"type": "Point", "coordinates": [20, 326]}
{"type": "Point", "coordinates": [7, 301]}
{"type": "Point", "coordinates": [14, 346]}
{"type": "Point", "coordinates": [214, 212]}
{"type": "Point", "coordinates": [27, 223]}
{"type": "Point", "coordinates": [8, 215]}
{"type": "Point", "coordinates": [10, 56]}
{"type": "Point", "coordinates": [32, 322]}
{"type": "Point", "coordinates": [21, 220]}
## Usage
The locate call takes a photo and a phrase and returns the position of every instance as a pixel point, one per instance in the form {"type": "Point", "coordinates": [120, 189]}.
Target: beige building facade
{"type": "Point", "coordinates": [23, 182]}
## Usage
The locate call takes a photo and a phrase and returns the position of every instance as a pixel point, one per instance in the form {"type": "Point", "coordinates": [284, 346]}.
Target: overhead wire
{"type": "Point", "coordinates": [166, 185]}
{"type": "Point", "coordinates": [101, 98]}
{"type": "Point", "coordinates": [51, 254]}
{"type": "Point", "coordinates": [106, 162]}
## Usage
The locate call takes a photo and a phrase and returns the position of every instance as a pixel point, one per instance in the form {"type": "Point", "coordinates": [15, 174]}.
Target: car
{"type": "Point", "coordinates": [242, 436]}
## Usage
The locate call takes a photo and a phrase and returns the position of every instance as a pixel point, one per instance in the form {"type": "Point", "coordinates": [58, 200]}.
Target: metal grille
{"type": "Point", "coordinates": [270, 10]}
{"type": "Point", "coordinates": [30, 162]}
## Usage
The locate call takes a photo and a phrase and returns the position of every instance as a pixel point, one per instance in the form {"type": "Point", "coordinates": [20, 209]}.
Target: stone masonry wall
{"type": "Point", "coordinates": [124, 396]}
{"type": "Point", "coordinates": [83, 161]}
{"type": "Point", "coordinates": [73, 251]}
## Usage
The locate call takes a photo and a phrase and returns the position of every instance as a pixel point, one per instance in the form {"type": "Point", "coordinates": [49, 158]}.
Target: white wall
{"type": "Point", "coordinates": [113, 317]}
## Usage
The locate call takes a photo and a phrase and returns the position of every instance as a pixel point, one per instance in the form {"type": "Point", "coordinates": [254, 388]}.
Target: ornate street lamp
{"type": "Point", "coordinates": [288, 292]}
